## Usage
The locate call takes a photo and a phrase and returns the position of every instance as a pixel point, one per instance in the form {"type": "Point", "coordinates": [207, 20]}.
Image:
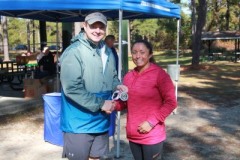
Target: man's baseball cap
{"type": "Point", "coordinates": [96, 17]}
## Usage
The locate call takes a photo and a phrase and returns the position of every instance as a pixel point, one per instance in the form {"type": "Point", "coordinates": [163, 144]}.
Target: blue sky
{"type": "Point", "coordinates": [186, 10]}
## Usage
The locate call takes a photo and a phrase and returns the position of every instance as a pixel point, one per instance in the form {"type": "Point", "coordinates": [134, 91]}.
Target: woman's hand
{"type": "Point", "coordinates": [144, 127]}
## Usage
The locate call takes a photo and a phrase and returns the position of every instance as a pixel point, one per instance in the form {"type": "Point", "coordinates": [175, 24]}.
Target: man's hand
{"type": "Point", "coordinates": [108, 106]}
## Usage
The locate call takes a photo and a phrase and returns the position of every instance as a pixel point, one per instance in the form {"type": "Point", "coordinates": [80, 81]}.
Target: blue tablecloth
{"type": "Point", "coordinates": [52, 110]}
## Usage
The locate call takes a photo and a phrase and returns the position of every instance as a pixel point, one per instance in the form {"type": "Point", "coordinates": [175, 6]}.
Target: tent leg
{"type": "Point", "coordinates": [57, 66]}
{"type": "Point", "coordinates": [120, 78]}
{"type": "Point", "coordinates": [177, 63]}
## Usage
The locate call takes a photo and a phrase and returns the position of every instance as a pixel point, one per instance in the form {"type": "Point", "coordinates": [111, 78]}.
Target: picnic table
{"type": "Point", "coordinates": [23, 67]}
{"type": "Point", "coordinates": [237, 56]}
{"type": "Point", "coordinates": [31, 66]}
{"type": "Point", "coordinates": [9, 69]}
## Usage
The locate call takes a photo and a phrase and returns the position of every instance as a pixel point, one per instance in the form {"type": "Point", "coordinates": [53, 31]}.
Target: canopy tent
{"type": "Point", "coordinates": [76, 10]}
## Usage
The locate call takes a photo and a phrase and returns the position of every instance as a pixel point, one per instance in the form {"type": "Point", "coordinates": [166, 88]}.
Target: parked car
{"type": "Point", "coordinates": [21, 47]}
{"type": "Point", "coordinates": [54, 48]}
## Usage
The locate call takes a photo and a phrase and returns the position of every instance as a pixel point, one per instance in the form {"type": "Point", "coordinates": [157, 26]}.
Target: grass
{"type": "Point", "coordinates": [218, 77]}
{"type": "Point", "coordinates": [165, 58]}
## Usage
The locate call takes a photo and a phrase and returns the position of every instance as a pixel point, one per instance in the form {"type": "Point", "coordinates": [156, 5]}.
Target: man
{"type": "Point", "coordinates": [46, 64]}
{"type": "Point", "coordinates": [88, 77]}
{"type": "Point", "coordinates": [42, 53]}
{"type": "Point", "coordinates": [109, 40]}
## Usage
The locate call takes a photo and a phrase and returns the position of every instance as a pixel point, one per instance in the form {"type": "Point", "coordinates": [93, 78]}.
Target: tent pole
{"type": "Point", "coordinates": [57, 67]}
{"type": "Point", "coordinates": [178, 36]}
{"type": "Point", "coordinates": [177, 63]}
{"type": "Point", "coordinates": [120, 78]}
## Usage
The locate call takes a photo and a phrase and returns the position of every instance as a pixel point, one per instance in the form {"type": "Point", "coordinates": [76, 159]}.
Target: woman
{"type": "Point", "coordinates": [151, 100]}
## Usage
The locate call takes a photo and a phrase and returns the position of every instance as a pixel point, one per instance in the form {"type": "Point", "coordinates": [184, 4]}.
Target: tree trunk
{"type": "Point", "coordinates": [5, 39]}
{"type": "Point", "coordinates": [28, 35]}
{"type": "Point", "coordinates": [77, 28]}
{"type": "Point", "coordinates": [196, 43]}
{"type": "Point", "coordinates": [33, 26]}
{"type": "Point", "coordinates": [227, 15]}
{"type": "Point", "coordinates": [193, 17]}
{"type": "Point", "coordinates": [43, 34]}
{"type": "Point", "coordinates": [1, 38]}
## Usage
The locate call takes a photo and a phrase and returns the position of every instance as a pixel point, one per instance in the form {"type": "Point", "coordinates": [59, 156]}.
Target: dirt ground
{"type": "Point", "coordinates": [206, 124]}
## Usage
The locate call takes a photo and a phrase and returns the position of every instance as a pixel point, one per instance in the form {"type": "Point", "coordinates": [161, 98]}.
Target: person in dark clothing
{"type": "Point", "coordinates": [109, 40]}
{"type": "Point", "coordinates": [46, 65]}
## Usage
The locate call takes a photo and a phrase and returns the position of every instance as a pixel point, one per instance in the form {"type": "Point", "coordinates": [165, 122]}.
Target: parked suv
{"type": "Point", "coordinates": [21, 47]}
{"type": "Point", "coordinates": [54, 48]}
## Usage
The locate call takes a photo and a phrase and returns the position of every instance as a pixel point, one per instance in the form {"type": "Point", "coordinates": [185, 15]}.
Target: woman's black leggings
{"type": "Point", "coordinates": [146, 152]}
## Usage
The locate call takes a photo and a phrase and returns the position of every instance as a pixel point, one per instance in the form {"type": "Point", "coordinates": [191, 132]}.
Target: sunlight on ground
{"type": "Point", "coordinates": [193, 81]}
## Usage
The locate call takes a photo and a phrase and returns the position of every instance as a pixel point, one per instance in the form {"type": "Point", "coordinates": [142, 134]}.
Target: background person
{"type": "Point", "coordinates": [46, 65]}
{"type": "Point", "coordinates": [42, 53]}
{"type": "Point", "coordinates": [88, 77]}
{"type": "Point", "coordinates": [151, 98]}
{"type": "Point", "coordinates": [109, 40]}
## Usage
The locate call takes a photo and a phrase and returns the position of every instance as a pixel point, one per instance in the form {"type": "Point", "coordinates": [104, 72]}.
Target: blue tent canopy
{"type": "Point", "coordinates": [76, 10]}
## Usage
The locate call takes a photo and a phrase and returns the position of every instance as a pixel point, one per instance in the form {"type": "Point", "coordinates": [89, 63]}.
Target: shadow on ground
{"type": "Point", "coordinates": [206, 125]}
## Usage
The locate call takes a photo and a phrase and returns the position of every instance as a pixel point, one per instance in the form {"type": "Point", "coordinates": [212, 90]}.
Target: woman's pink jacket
{"type": "Point", "coordinates": [151, 98]}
